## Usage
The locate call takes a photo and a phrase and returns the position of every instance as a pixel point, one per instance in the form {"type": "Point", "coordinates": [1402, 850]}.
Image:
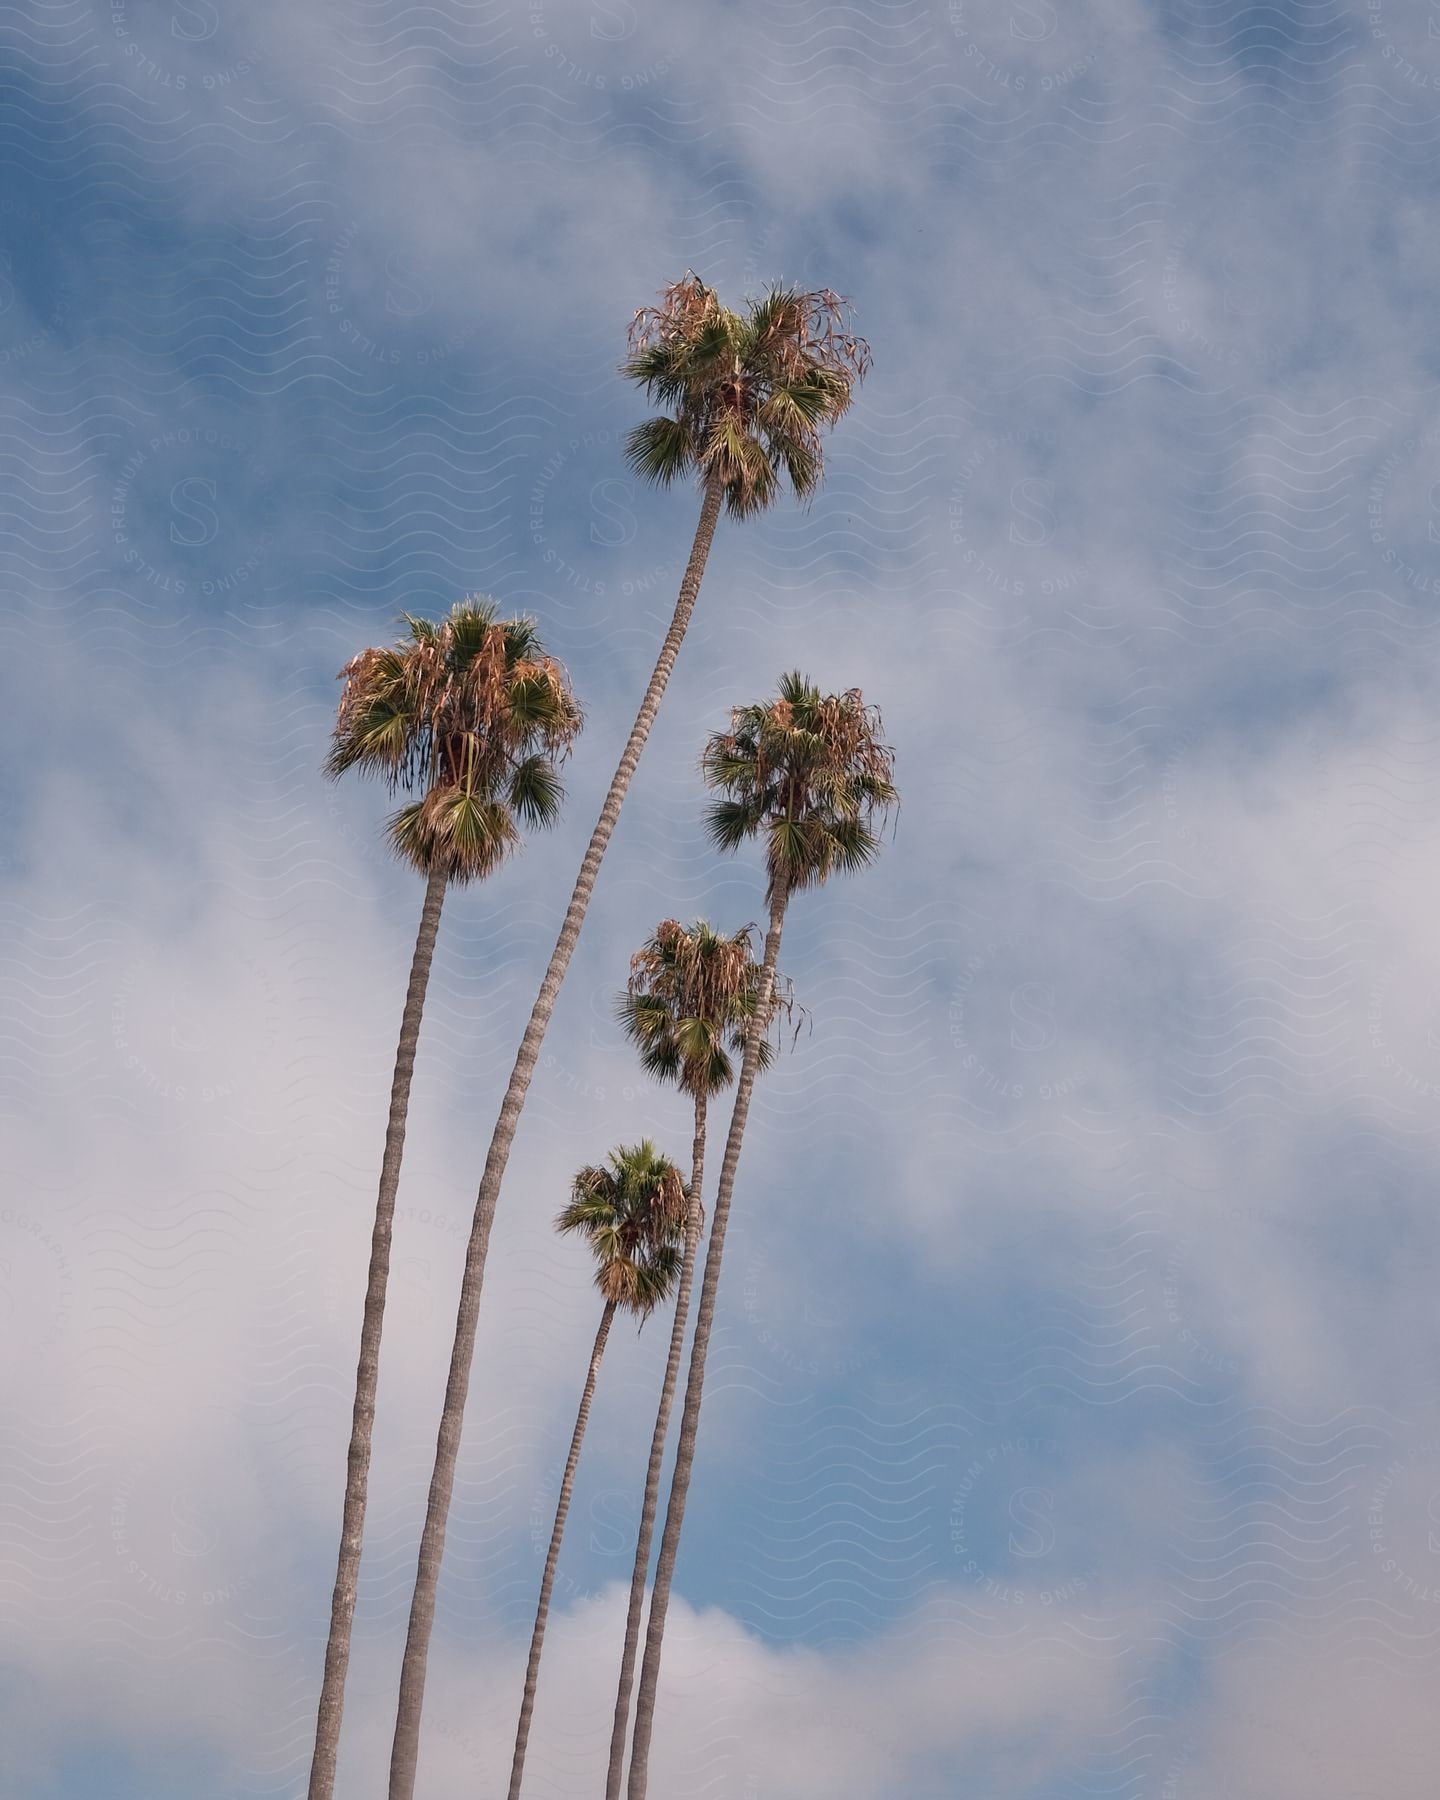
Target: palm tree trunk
{"type": "Point", "coordinates": [651, 1506]}
{"type": "Point", "coordinates": [547, 1580]}
{"type": "Point", "coordinates": [695, 1381]}
{"type": "Point", "coordinates": [367, 1374]}
{"type": "Point", "coordinates": [405, 1751]}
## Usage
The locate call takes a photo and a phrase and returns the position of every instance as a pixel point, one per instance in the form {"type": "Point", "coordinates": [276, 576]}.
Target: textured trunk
{"type": "Point", "coordinates": [616, 1775]}
{"type": "Point", "coordinates": [406, 1749]}
{"type": "Point", "coordinates": [552, 1556]}
{"type": "Point", "coordinates": [695, 1380]}
{"type": "Point", "coordinates": [367, 1374]}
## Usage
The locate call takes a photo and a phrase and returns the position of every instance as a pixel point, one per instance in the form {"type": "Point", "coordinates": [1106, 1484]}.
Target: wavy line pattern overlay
{"type": "Point", "coordinates": [1071, 1431]}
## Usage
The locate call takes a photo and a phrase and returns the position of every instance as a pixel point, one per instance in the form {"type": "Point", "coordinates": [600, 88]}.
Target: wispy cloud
{"type": "Point", "coordinates": [1090, 1217]}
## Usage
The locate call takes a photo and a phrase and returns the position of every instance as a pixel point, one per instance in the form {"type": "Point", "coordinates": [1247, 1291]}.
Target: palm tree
{"type": "Point", "coordinates": [810, 774]}
{"type": "Point", "coordinates": [473, 716]}
{"type": "Point", "coordinates": [692, 992]}
{"type": "Point", "coordinates": [748, 397]}
{"type": "Point", "coordinates": [633, 1214]}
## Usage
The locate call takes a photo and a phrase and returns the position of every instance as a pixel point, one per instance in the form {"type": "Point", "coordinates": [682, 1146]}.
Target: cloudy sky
{"type": "Point", "coordinates": [1072, 1426]}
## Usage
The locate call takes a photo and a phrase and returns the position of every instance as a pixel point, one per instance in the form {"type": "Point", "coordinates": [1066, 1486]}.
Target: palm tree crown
{"type": "Point", "coordinates": [809, 772]}
{"type": "Point", "coordinates": [691, 993]}
{"type": "Point", "coordinates": [748, 394]}
{"type": "Point", "coordinates": [632, 1213]}
{"type": "Point", "coordinates": [471, 714]}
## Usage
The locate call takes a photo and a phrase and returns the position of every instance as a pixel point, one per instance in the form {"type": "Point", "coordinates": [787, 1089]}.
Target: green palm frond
{"type": "Point", "coordinates": [537, 704]}
{"type": "Point", "coordinates": [378, 740]}
{"type": "Point", "coordinates": [802, 464]}
{"type": "Point", "coordinates": [468, 626]}
{"type": "Point", "coordinates": [536, 793]}
{"type": "Point", "coordinates": [730, 822]}
{"type": "Point", "coordinates": [660, 450]}
{"type": "Point", "coordinates": [522, 640]}
{"type": "Point", "coordinates": [641, 1286]}
{"type": "Point", "coordinates": [467, 832]}
{"type": "Point", "coordinates": [854, 846]}
{"type": "Point", "coordinates": [646, 1022]}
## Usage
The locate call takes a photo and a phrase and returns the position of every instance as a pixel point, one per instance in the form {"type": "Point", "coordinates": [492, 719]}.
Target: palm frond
{"type": "Point", "coordinates": [729, 822]}
{"type": "Point", "coordinates": [536, 792]}
{"type": "Point", "coordinates": [660, 450]}
{"type": "Point", "coordinates": [465, 832]}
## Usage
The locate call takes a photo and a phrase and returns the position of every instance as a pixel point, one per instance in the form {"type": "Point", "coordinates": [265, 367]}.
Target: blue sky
{"type": "Point", "coordinates": [1070, 1430]}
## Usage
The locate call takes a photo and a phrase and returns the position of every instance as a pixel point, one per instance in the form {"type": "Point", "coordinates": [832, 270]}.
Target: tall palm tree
{"type": "Point", "coordinates": [692, 992]}
{"type": "Point", "coordinates": [472, 716]}
{"type": "Point", "coordinates": [748, 398]}
{"type": "Point", "coordinates": [811, 775]}
{"type": "Point", "coordinates": [633, 1214]}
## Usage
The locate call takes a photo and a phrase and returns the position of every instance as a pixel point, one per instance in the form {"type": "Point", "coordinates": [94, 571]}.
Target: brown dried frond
{"type": "Point", "coordinates": [703, 971]}
{"type": "Point", "coordinates": [484, 680]}
{"type": "Point", "coordinates": [359, 676]}
{"type": "Point", "coordinates": [856, 730]}
{"type": "Point", "coordinates": [812, 329]}
{"type": "Point", "coordinates": [686, 307]}
{"type": "Point", "coordinates": [827, 334]}
{"type": "Point", "coordinates": [671, 1205]}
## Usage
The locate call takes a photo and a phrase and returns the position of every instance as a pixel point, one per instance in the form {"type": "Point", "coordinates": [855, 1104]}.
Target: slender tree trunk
{"type": "Point", "coordinates": [651, 1506]}
{"type": "Point", "coordinates": [695, 1380]}
{"type": "Point", "coordinates": [405, 1751]}
{"type": "Point", "coordinates": [367, 1374]}
{"type": "Point", "coordinates": [552, 1556]}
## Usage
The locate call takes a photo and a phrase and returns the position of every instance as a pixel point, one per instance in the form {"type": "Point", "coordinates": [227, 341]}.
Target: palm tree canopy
{"type": "Point", "coordinates": [691, 994]}
{"type": "Point", "coordinates": [747, 395]}
{"type": "Point", "coordinates": [632, 1212]}
{"type": "Point", "coordinates": [810, 773]}
{"type": "Point", "coordinates": [473, 715]}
